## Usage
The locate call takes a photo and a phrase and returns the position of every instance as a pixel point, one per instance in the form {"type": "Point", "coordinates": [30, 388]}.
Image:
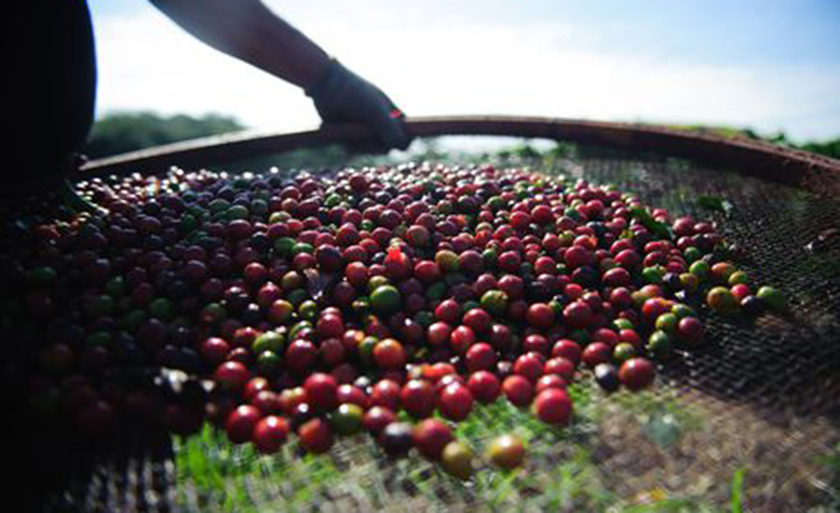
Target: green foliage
{"type": "Point", "coordinates": [122, 132]}
{"type": "Point", "coordinates": [737, 491]}
{"type": "Point", "coordinates": [831, 487]}
{"type": "Point", "coordinates": [561, 472]}
{"type": "Point", "coordinates": [829, 148]}
{"type": "Point", "coordinates": [716, 204]}
{"type": "Point", "coordinates": [215, 475]}
{"type": "Point", "coordinates": [225, 477]}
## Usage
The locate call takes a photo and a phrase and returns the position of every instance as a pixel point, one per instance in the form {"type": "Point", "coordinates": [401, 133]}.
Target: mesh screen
{"type": "Point", "coordinates": [758, 402]}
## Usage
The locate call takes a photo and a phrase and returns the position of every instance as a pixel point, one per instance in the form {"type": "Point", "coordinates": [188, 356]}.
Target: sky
{"type": "Point", "coordinates": [768, 65]}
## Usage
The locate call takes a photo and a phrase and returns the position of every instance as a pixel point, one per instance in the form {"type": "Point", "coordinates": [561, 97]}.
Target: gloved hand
{"type": "Point", "coordinates": [342, 96]}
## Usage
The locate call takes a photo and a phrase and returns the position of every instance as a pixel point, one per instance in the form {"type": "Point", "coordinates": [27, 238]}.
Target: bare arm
{"type": "Point", "coordinates": [249, 31]}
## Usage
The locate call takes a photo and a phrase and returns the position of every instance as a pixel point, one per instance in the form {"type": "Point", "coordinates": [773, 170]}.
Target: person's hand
{"type": "Point", "coordinates": [342, 96]}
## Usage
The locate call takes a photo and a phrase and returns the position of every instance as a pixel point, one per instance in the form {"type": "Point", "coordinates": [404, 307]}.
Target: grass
{"type": "Point", "coordinates": [561, 473]}
{"type": "Point", "coordinates": [831, 486]}
{"type": "Point", "coordinates": [222, 476]}
{"type": "Point", "coordinates": [737, 491]}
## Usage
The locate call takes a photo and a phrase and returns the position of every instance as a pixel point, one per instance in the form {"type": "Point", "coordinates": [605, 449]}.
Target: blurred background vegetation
{"type": "Point", "coordinates": [128, 131]}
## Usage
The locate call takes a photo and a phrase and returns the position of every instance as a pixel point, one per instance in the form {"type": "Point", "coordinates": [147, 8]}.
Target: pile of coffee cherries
{"type": "Point", "coordinates": [389, 300]}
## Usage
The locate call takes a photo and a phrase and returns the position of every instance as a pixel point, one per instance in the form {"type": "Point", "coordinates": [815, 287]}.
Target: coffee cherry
{"type": "Point", "coordinates": [518, 390]}
{"type": "Point", "coordinates": [377, 418]}
{"type": "Point", "coordinates": [397, 438]}
{"type": "Point", "coordinates": [430, 438]}
{"type": "Point", "coordinates": [315, 436]}
{"type": "Point", "coordinates": [506, 451]}
{"type": "Point", "coordinates": [484, 386]}
{"type": "Point", "coordinates": [553, 406]}
{"type": "Point", "coordinates": [418, 398]}
{"type": "Point", "coordinates": [321, 391]}
{"type": "Point", "coordinates": [637, 373]}
{"type": "Point", "coordinates": [270, 433]}
{"type": "Point", "coordinates": [455, 401]}
{"type": "Point", "coordinates": [456, 459]}
{"type": "Point", "coordinates": [241, 422]}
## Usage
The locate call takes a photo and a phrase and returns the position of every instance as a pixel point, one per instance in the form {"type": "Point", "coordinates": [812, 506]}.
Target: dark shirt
{"type": "Point", "coordinates": [53, 78]}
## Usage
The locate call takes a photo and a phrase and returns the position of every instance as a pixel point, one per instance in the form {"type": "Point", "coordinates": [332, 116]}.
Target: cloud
{"type": "Point", "coordinates": [146, 62]}
{"type": "Point", "coordinates": [457, 64]}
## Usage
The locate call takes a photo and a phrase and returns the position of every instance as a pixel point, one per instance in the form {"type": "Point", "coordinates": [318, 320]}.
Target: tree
{"type": "Point", "coordinates": [128, 131]}
{"type": "Point", "coordinates": [830, 147]}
